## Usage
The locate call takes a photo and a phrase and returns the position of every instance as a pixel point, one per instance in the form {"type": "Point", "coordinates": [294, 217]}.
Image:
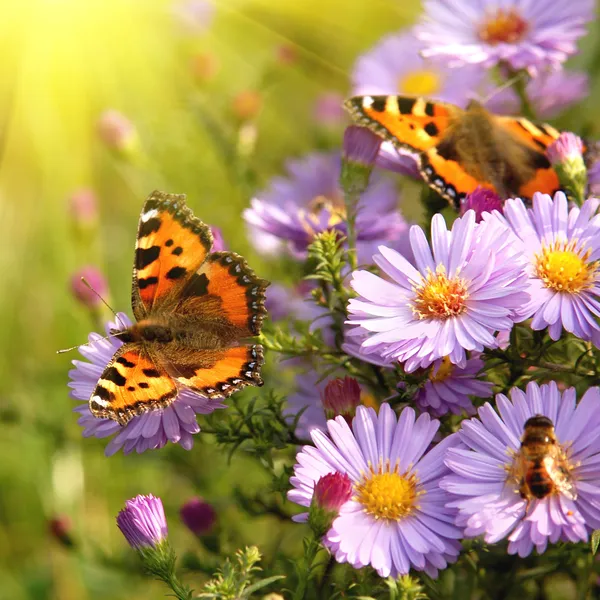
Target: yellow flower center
{"type": "Point", "coordinates": [420, 83]}
{"type": "Point", "coordinates": [503, 26]}
{"type": "Point", "coordinates": [444, 371]}
{"type": "Point", "coordinates": [564, 268]}
{"type": "Point", "coordinates": [333, 204]}
{"type": "Point", "coordinates": [388, 495]}
{"type": "Point", "coordinates": [438, 297]}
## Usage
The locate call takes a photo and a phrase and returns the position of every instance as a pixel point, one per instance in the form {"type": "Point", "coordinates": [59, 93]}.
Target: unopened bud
{"type": "Point", "coordinates": [331, 492]}
{"type": "Point", "coordinates": [199, 516]}
{"type": "Point", "coordinates": [204, 66]}
{"type": "Point", "coordinates": [85, 293]}
{"type": "Point", "coordinates": [83, 206]}
{"type": "Point", "coordinates": [341, 397]}
{"type": "Point", "coordinates": [566, 156]}
{"type": "Point", "coordinates": [247, 104]}
{"type": "Point", "coordinates": [117, 131]}
{"type": "Point", "coordinates": [359, 153]}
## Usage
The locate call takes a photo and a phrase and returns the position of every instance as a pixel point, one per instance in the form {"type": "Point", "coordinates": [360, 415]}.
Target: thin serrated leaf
{"type": "Point", "coordinates": [261, 584]}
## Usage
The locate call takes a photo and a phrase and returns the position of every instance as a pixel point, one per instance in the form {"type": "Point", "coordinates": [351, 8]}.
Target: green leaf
{"type": "Point", "coordinates": [595, 541]}
{"type": "Point", "coordinates": [261, 584]}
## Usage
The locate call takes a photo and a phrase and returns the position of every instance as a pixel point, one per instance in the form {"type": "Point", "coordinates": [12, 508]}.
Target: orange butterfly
{"type": "Point", "coordinates": [458, 150]}
{"type": "Point", "coordinates": [194, 310]}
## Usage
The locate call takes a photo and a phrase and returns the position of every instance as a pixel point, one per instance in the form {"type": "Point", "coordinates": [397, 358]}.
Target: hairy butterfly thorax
{"type": "Point", "coordinates": [458, 150]}
{"type": "Point", "coordinates": [195, 313]}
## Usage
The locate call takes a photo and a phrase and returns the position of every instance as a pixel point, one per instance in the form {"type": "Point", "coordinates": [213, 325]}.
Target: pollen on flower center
{"type": "Point", "coordinates": [333, 204]}
{"type": "Point", "coordinates": [420, 83]}
{"type": "Point", "coordinates": [564, 268]}
{"type": "Point", "coordinates": [388, 495]}
{"type": "Point", "coordinates": [503, 26]}
{"type": "Point", "coordinates": [444, 371]}
{"type": "Point", "coordinates": [438, 297]}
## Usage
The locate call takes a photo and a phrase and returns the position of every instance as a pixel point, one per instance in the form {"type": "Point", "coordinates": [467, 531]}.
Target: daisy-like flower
{"type": "Point", "coordinates": [458, 296]}
{"type": "Point", "coordinates": [523, 35]}
{"type": "Point", "coordinates": [487, 478]}
{"type": "Point", "coordinates": [549, 93]}
{"type": "Point", "coordinates": [395, 66]}
{"type": "Point", "coordinates": [396, 518]}
{"type": "Point", "coordinates": [562, 248]}
{"type": "Point", "coordinates": [449, 388]}
{"type": "Point", "coordinates": [309, 201]}
{"type": "Point", "coordinates": [153, 429]}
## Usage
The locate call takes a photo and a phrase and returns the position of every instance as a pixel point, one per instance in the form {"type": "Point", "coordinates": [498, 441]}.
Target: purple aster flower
{"type": "Point", "coordinates": [354, 336]}
{"type": "Point", "coordinates": [153, 429]}
{"type": "Point", "coordinates": [549, 93]}
{"type": "Point", "coordinates": [449, 388]}
{"type": "Point", "coordinates": [199, 516]}
{"type": "Point", "coordinates": [458, 296]}
{"type": "Point", "coordinates": [561, 247]}
{"type": "Point", "coordinates": [395, 66]}
{"type": "Point", "coordinates": [481, 200]}
{"type": "Point", "coordinates": [143, 522]}
{"type": "Point", "coordinates": [522, 35]}
{"type": "Point", "coordinates": [397, 517]}
{"type": "Point", "coordinates": [487, 478]}
{"type": "Point", "coordinates": [309, 201]}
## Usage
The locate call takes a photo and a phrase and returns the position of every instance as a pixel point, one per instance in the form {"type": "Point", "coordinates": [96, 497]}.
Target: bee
{"type": "Point", "coordinates": [540, 467]}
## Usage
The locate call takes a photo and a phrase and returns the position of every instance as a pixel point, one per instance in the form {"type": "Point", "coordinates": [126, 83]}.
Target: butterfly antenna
{"type": "Point", "coordinates": [508, 83]}
{"type": "Point", "coordinates": [106, 337]}
{"type": "Point", "coordinates": [112, 310]}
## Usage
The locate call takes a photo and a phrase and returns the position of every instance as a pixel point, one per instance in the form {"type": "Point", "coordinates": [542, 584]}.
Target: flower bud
{"type": "Point", "coordinates": [331, 492]}
{"type": "Point", "coordinates": [60, 529]}
{"type": "Point", "coordinates": [286, 55]}
{"type": "Point", "coordinates": [83, 206]}
{"type": "Point", "coordinates": [204, 66]}
{"type": "Point", "coordinates": [246, 105]}
{"type": "Point", "coordinates": [481, 200]}
{"type": "Point", "coordinates": [566, 156]}
{"type": "Point", "coordinates": [359, 153]}
{"type": "Point", "coordinates": [82, 292]}
{"type": "Point", "coordinates": [341, 397]}
{"type": "Point", "coordinates": [143, 522]}
{"type": "Point", "coordinates": [198, 516]}
{"type": "Point", "coordinates": [117, 131]}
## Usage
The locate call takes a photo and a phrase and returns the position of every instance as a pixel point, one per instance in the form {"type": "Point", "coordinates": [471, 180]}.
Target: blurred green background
{"type": "Point", "coordinates": [64, 62]}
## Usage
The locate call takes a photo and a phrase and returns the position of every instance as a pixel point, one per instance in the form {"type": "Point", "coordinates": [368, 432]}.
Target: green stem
{"type": "Point", "coordinates": [181, 591]}
{"type": "Point", "coordinates": [305, 575]}
{"type": "Point", "coordinates": [351, 200]}
{"type": "Point", "coordinates": [520, 87]}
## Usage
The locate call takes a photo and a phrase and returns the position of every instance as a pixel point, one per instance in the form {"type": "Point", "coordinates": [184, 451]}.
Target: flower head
{"type": "Point", "coordinates": [481, 200]}
{"type": "Point", "coordinates": [61, 528]}
{"type": "Point", "coordinates": [143, 522]}
{"type": "Point", "coordinates": [198, 515]}
{"type": "Point", "coordinates": [310, 201]}
{"type": "Point", "coordinates": [449, 388]}
{"type": "Point", "coordinates": [153, 429]}
{"type": "Point", "coordinates": [562, 249]}
{"type": "Point", "coordinates": [566, 156]}
{"type": "Point", "coordinates": [396, 518]}
{"type": "Point", "coordinates": [490, 478]}
{"type": "Point", "coordinates": [341, 397]}
{"type": "Point", "coordinates": [89, 295]}
{"type": "Point", "coordinates": [522, 35]}
{"type": "Point", "coordinates": [395, 66]}
{"type": "Point", "coordinates": [117, 131]}
{"type": "Point", "coordinates": [83, 205]}
{"type": "Point", "coordinates": [455, 300]}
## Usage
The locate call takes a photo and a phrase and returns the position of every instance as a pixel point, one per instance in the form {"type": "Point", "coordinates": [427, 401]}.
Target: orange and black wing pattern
{"type": "Point", "coordinates": [219, 373]}
{"type": "Point", "coordinates": [171, 245]}
{"type": "Point", "coordinates": [131, 384]}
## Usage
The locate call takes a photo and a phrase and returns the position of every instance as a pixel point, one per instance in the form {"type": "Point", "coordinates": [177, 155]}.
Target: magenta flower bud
{"type": "Point", "coordinates": [82, 292]}
{"type": "Point", "coordinates": [341, 397]}
{"type": "Point", "coordinates": [116, 130]}
{"type": "Point", "coordinates": [198, 516]}
{"type": "Point", "coordinates": [60, 528]}
{"type": "Point", "coordinates": [328, 109]}
{"type": "Point", "coordinates": [331, 492]}
{"type": "Point", "coordinates": [566, 156]}
{"type": "Point", "coordinates": [218, 241]}
{"type": "Point", "coordinates": [143, 522]}
{"type": "Point", "coordinates": [481, 200]}
{"type": "Point", "coordinates": [83, 205]}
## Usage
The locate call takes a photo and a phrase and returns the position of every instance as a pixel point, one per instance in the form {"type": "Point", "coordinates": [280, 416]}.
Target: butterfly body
{"type": "Point", "coordinates": [458, 150]}
{"type": "Point", "coordinates": [195, 311]}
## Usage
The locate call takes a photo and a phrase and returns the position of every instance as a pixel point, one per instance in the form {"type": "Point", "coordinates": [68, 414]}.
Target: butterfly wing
{"type": "Point", "coordinates": [409, 123]}
{"type": "Point", "coordinates": [132, 383]}
{"type": "Point", "coordinates": [171, 245]}
{"type": "Point", "coordinates": [533, 140]}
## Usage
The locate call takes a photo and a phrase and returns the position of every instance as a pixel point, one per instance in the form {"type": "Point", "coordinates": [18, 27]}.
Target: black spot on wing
{"type": "Point", "coordinates": [405, 105]}
{"type": "Point", "coordinates": [379, 103]}
{"type": "Point", "coordinates": [143, 385]}
{"type": "Point", "coordinates": [168, 243]}
{"type": "Point", "coordinates": [131, 388]}
{"type": "Point", "coordinates": [123, 361]}
{"type": "Point", "coordinates": [176, 273]}
{"type": "Point", "coordinates": [144, 283]}
{"type": "Point", "coordinates": [146, 256]}
{"type": "Point", "coordinates": [103, 393]}
{"type": "Point", "coordinates": [431, 129]}
{"type": "Point", "coordinates": [151, 372]}
{"type": "Point", "coordinates": [150, 226]}
{"type": "Point", "coordinates": [197, 286]}
{"type": "Point", "coordinates": [177, 251]}
{"type": "Point", "coordinates": [112, 374]}
{"type": "Point", "coordinates": [447, 150]}
{"type": "Point", "coordinates": [429, 109]}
